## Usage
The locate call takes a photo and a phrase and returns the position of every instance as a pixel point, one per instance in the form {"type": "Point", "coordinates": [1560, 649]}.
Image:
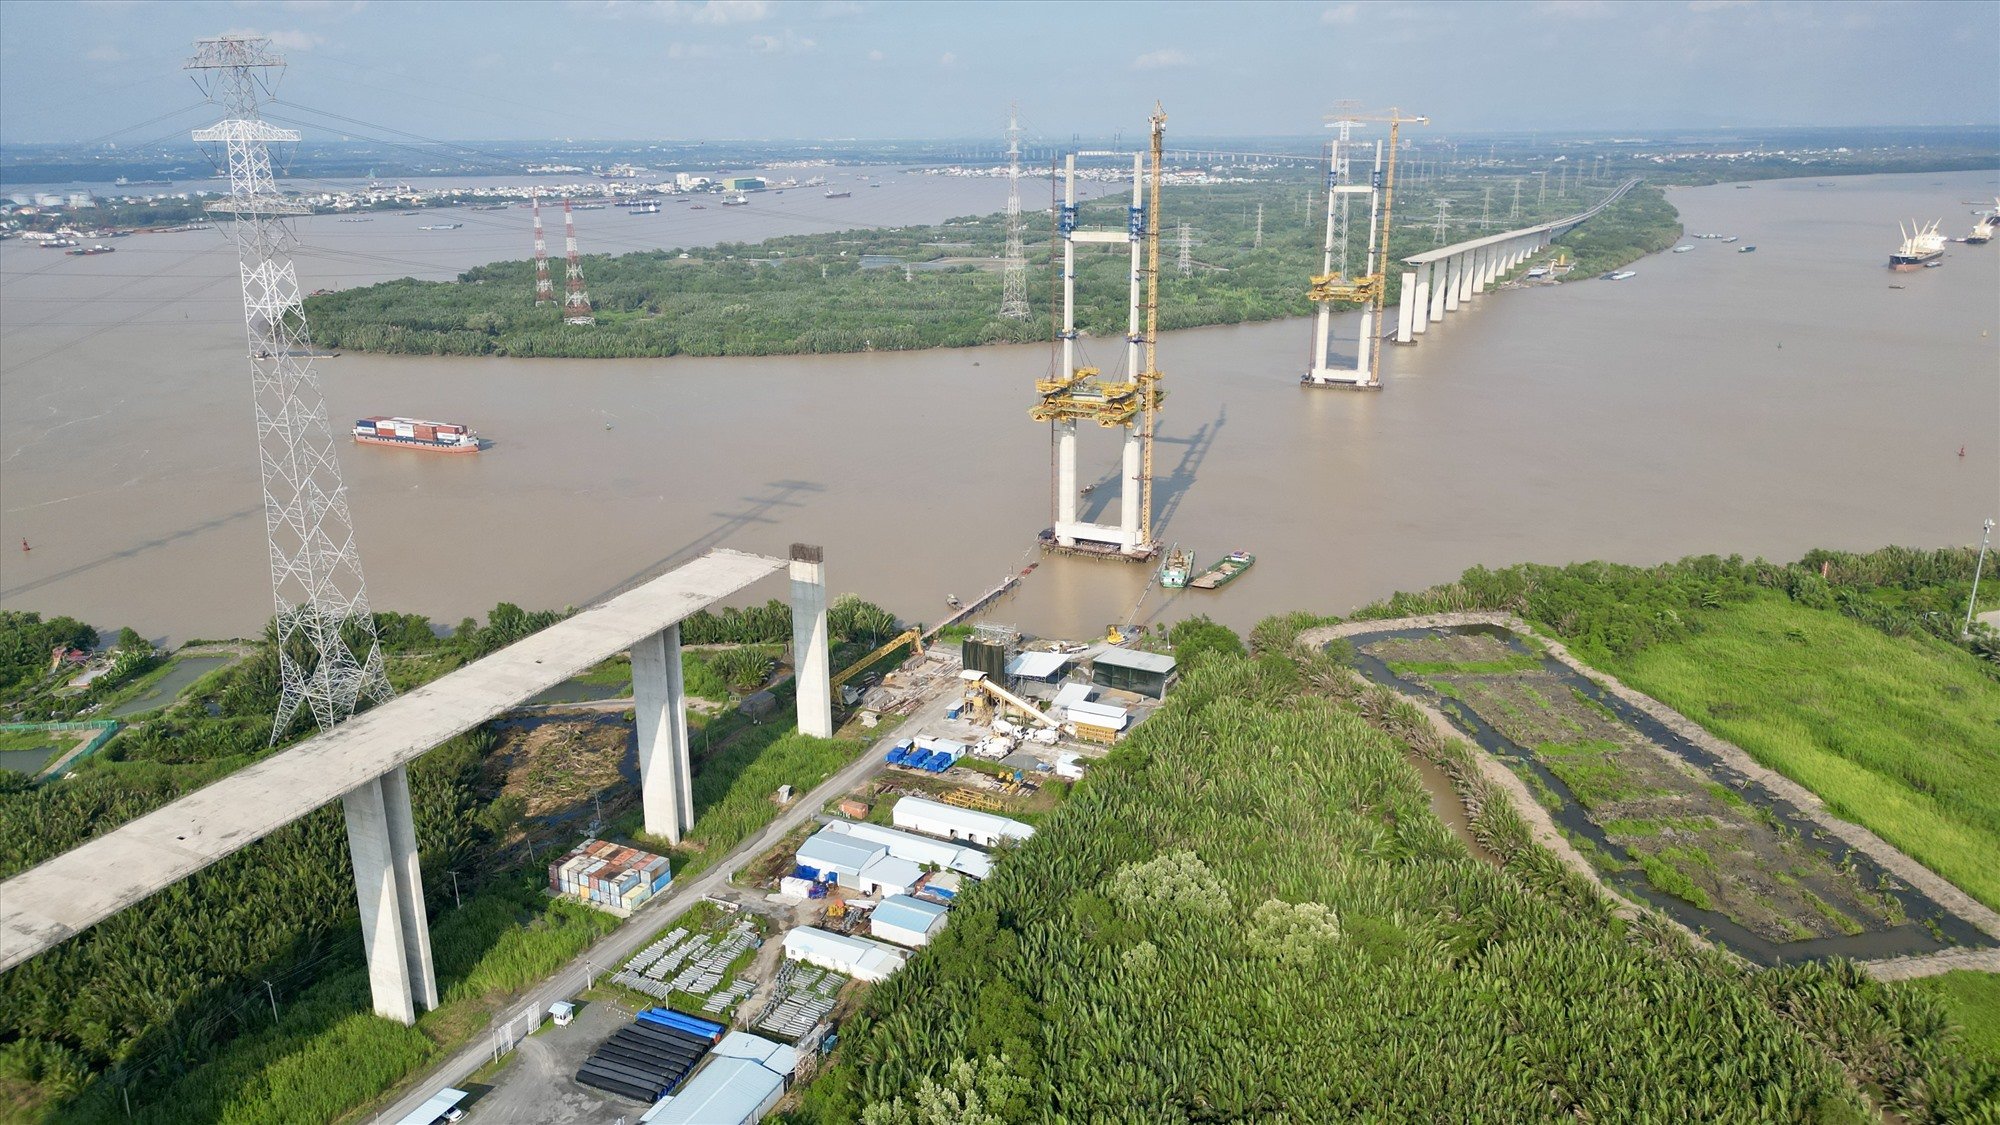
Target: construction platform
{"type": "Point", "coordinates": [1144, 552]}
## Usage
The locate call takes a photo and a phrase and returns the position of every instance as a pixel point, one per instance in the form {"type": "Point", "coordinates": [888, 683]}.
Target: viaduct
{"type": "Point", "coordinates": [1441, 280]}
{"type": "Point", "coordinates": [362, 764]}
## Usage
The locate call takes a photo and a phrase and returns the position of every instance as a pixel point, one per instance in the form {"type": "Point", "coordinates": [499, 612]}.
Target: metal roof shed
{"type": "Point", "coordinates": [952, 822]}
{"type": "Point", "coordinates": [728, 1091]}
{"type": "Point", "coordinates": [906, 921]}
{"type": "Point", "coordinates": [1147, 673]}
{"type": "Point", "coordinates": [889, 875]}
{"type": "Point", "coordinates": [434, 1107]}
{"type": "Point", "coordinates": [855, 957]}
{"type": "Point", "coordinates": [841, 854]}
{"type": "Point", "coordinates": [1044, 666]}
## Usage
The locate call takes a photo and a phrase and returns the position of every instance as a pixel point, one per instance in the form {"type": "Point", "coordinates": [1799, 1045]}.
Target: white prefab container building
{"type": "Point", "coordinates": [921, 850]}
{"type": "Point", "coordinates": [889, 875]}
{"type": "Point", "coordinates": [953, 823]}
{"type": "Point", "coordinates": [852, 956]}
{"type": "Point", "coordinates": [842, 855]}
{"type": "Point", "coordinates": [906, 921]}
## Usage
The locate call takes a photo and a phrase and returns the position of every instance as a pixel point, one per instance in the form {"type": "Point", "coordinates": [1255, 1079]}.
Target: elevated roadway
{"type": "Point", "coordinates": [362, 761]}
{"type": "Point", "coordinates": [1439, 281]}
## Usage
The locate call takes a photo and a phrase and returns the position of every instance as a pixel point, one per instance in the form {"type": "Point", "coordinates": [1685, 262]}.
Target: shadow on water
{"type": "Point", "coordinates": [129, 552]}
{"type": "Point", "coordinates": [756, 510]}
{"type": "Point", "coordinates": [1168, 490]}
{"type": "Point", "coordinates": [1931, 928]}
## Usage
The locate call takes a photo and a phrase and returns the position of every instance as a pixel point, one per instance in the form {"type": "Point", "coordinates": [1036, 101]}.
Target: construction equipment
{"type": "Point", "coordinates": [977, 682]}
{"type": "Point", "coordinates": [914, 637]}
{"type": "Point", "coordinates": [1369, 288]}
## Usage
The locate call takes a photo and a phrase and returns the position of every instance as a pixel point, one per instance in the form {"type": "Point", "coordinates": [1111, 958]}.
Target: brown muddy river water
{"type": "Point", "coordinates": [1760, 403]}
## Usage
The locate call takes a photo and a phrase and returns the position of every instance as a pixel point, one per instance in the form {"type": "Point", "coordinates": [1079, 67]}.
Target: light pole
{"type": "Point", "coordinates": [1973, 601]}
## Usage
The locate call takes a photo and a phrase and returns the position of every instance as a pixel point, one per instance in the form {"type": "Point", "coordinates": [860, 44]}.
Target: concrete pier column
{"type": "Point", "coordinates": [1440, 281]}
{"type": "Point", "coordinates": [388, 885]}
{"type": "Point", "coordinates": [1422, 319]}
{"type": "Point", "coordinates": [1489, 261]}
{"type": "Point", "coordinates": [659, 711]}
{"type": "Point", "coordinates": [1364, 347]}
{"type": "Point", "coordinates": [1464, 278]}
{"type": "Point", "coordinates": [1482, 269]}
{"type": "Point", "coordinates": [1065, 480]}
{"type": "Point", "coordinates": [1128, 495]}
{"type": "Point", "coordinates": [1406, 307]}
{"type": "Point", "coordinates": [1454, 282]}
{"type": "Point", "coordinates": [811, 674]}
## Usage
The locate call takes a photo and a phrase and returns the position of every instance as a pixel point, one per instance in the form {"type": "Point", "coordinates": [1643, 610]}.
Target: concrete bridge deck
{"type": "Point", "coordinates": [1438, 281]}
{"type": "Point", "coordinates": [62, 897]}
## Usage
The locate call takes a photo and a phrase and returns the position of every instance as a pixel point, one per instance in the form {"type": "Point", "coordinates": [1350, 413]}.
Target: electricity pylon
{"type": "Point", "coordinates": [1014, 281]}
{"type": "Point", "coordinates": [329, 654]}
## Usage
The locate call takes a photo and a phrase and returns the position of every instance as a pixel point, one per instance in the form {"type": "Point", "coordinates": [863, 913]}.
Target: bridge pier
{"type": "Point", "coordinates": [1065, 480]}
{"type": "Point", "coordinates": [811, 673]}
{"type": "Point", "coordinates": [1406, 307]}
{"type": "Point", "coordinates": [1421, 320]}
{"type": "Point", "coordinates": [389, 885]}
{"type": "Point", "coordinates": [659, 712]}
{"type": "Point", "coordinates": [1440, 281]}
{"type": "Point", "coordinates": [1454, 282]}
{"type": "Point", "coordinates": [1465, 272]}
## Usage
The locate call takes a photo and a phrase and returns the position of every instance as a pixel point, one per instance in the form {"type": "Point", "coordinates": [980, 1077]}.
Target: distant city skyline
{"type": "Point", "coordinates": [108, 71]}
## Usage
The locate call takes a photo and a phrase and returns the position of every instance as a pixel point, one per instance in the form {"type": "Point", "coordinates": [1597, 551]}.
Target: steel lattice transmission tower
{"type": "Point", "coordinates": [545, 290]}
{"type": "Point", "coordinates": [1014, 281]}
{"type": "Point", "coordinates": [329, 655]}
{"type": "Point", "coordinates": [576, 310]}
{"type": "Point", "coordinates": [1186, 263]}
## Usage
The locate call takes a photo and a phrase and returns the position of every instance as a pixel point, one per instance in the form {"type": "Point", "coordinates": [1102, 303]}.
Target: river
{"type": "Point", "coordinates": [1760, 403]}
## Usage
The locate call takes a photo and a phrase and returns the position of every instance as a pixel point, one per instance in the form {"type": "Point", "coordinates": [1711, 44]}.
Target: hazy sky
{"type": "Point", "coordinates": [688, 69]}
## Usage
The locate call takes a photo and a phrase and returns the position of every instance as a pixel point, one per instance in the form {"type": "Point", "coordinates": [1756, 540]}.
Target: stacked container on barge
{"type": "Point", "coordinates": [415, 433]}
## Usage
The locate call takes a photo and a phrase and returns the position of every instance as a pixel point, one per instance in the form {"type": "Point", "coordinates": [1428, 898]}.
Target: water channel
{"type": "Point", "coordinates": [1760, 403]}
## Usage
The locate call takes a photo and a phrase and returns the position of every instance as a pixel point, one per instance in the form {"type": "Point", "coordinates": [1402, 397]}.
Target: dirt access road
{"type": "Point", "coordinates": [639, 930]}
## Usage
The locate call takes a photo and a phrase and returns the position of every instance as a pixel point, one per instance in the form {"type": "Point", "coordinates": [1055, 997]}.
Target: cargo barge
{"type": "Point", "coordinates": [1223, 573]}
{"type": "Point", "coordinates": [415, 433]}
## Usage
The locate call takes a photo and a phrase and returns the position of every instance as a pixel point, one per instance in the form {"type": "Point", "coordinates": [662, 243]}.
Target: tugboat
{"type": "Point", "coordinates": [1175, 571]}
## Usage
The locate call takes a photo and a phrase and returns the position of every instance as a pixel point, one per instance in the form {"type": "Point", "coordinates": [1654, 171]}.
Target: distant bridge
{"type": "Point", "coordinates": [1440, 280]}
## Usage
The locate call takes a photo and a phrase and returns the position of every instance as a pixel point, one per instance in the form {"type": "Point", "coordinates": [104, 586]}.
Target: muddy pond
{"type": "Point", "coordinates": [1663, 820]}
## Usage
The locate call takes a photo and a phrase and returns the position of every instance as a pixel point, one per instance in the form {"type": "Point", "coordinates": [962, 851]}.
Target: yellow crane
{"type": "Point", "coordinates": [914, 637]}
{"type": "Point", "coordinates": [1370, 288]}
{"type": "Point", "coordinates": [1149, 379]}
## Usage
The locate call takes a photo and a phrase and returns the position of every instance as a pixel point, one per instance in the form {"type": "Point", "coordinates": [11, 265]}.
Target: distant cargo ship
{"type": "Point", "coordinates": [1982, 231]}
{"type": "Point", "coordinates": [415, 433]}
{"type": "Point", "coordinates": [441, 226]}
{"type": "Point", "coordinates": [87, 251]}
{"type": "Point", "coordinates": [840, 195]}
{"type": "Point", "coordinates": [737, 200]}
{"type": "Point", "coordinates": [1921, 246]}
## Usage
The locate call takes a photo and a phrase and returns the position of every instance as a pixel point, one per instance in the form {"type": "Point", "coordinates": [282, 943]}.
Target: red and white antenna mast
{"type": "Point", "coordinates": [577, 309]}
{"type": "Point", "coordinates": [545, 290]}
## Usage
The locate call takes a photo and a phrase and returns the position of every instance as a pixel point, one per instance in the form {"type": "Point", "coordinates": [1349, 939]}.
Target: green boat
{"type": "Point", "coordinates": [1174, 572]}
{"type": "Point", "coordinates": [1224, 572]}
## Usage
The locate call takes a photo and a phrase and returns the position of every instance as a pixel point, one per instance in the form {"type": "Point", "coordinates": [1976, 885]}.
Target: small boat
{"type": "Point", "coordinates": [1175, 571]}
{"type": "Point", "coordinates": [441, 226]}
{"type": "Point", "coordinates": [952, 601]}
{"type": "Point", "coordinates": [1731, 238]}
{"type": "Point", "coordinates": [1751, 249]}
{"type": "Point", "coordinates": [1224, 572]}
{"type": "Point", "coordinates": [840, 195]}
{"type": "Point", "coordinates": [356, 220]}
{"type": "Point", "coordinates": [1927, 265]}
{"type": "Point", "coordinates": [698, 207]}
{"type": "Point", "coordinates": [1617, 275]}
{"type": "Point", "coordinates": [737, 200]}
{"type": "Point", "coordinates": [87, 251]}
{"type": "Point", "coordinates": [1683, 249]}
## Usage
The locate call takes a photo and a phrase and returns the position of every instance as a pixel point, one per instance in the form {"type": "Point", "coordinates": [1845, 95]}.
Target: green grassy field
{"type": "Point", "coordinates": [1973, 1002]}
{"type": "Point", "coordinates": [1898, 734]}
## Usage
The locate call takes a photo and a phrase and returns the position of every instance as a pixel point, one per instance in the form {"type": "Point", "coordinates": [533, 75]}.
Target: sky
{"type": "Point", "coordinates": [841, 69]}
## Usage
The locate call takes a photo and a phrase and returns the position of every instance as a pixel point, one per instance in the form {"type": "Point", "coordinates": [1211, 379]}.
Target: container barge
{"type": "Point", "coordinates": [415, 433]}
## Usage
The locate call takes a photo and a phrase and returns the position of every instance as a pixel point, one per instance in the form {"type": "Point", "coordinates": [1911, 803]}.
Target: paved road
{"type": "Point", "coordinates": [638, 931]}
